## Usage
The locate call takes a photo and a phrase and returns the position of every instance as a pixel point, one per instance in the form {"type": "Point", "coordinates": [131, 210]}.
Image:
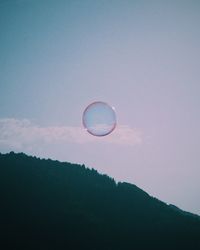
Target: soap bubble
{"type": "Point", "coordinates": [99, 119]}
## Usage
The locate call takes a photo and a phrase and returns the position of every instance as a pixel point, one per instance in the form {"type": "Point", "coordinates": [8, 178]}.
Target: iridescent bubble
{"type": "Point", "coordinates": [99, 119]}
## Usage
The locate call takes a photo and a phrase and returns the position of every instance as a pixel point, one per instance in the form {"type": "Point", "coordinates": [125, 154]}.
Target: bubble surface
{"type": "Point", "coordinates": [99, 119]}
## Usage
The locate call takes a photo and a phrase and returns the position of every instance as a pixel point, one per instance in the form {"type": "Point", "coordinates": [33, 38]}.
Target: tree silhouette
{"type": "Point", "coordinates": [47, 204]}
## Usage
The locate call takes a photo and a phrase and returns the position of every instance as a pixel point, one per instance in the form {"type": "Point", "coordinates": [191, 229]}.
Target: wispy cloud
{"type": "Point", "coordinates": [19, 134]}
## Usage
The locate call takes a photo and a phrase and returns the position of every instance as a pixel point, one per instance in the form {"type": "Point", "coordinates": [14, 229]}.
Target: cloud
{"type": "Point", "coordinates": [19, 134]}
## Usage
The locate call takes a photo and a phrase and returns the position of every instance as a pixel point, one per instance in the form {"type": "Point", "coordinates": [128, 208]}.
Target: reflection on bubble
{"type": "Point", "coordinates": [99, 119]}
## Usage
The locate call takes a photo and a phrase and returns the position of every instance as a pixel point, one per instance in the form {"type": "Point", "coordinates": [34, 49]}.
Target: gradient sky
{"type": "Point", "coordinates": [142, 57]}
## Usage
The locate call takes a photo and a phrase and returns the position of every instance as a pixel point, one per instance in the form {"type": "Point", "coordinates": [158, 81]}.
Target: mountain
{"type": "Point", "coordinates": [49, 205]}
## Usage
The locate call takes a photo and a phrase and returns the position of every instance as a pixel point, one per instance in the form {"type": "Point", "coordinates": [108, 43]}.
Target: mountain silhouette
{"type": "Point", "coordinates": [49, 205]}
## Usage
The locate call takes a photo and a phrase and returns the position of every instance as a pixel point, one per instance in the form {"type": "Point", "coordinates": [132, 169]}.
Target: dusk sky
{"type": "Point", "coordinates": [140, 56]}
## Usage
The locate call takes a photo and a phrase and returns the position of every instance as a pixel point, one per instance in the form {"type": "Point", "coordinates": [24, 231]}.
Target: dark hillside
{"type": "Point", "coordinates": [48, 205]}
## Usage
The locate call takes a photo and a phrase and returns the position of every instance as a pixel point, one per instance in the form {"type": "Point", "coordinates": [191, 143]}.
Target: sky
{"type": "Point", "coordinates": [140, 56]}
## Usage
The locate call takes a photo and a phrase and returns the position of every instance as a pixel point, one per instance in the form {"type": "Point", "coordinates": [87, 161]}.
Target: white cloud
{"type": "Point", "coordinates": [22, 134]}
